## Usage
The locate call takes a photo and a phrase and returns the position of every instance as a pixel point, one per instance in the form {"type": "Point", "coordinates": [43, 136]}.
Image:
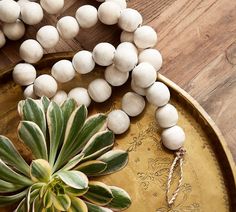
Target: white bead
{"type": "Point", "coordinates": [121, 3]}
{"type": "Point", "coordinates": [45, 85]}
{"type": "Point", "coordinates": [2, 39]}
{"type": "Point", "coordinates": [31, 13]}
{"type": "Point", "coordinates": [29, 92]}
{"type": "Point", "coordinates": [60, 97]}
{"type": "Point", "coordinates": [145, 37]}
{"type": "Point", "coordinates": [31, 51]}
{"type": "Point", "coordinates": [130, 20]}
{"type": "Point", "coordinates": [115, 77]}
{"type": "Point", "coordinates": [144, 75]}
{"type": "Point", "coordinates": [138, 90]}
{"type": "Point", "coordinates": [87, 16]}
{"type": "Point", "coordinates": [158, 94]}
{"type": "Point", "coordinates": [133, 104]}
{"type": "Point", "coordinates": [63, 71]}
{"type": "Point", "coordinates": [52, 6]}
{"type": "Point", "coordinates": [83, 62]}
{"type": "Point", "coordinates": [48, 36]}
{"type": "Point", "coordinates": [125, 59]}
{"type": "Point", "coordinates": [68, 27]}
{"type": "Point", "coordinates": [118, 121]}
{"type": "Point", "coordinates": [99, 90]}
{"type": "Point", "coordinates": [14, 31]}
{"type": "Point", "coordinates": [24, 74]}
{"type": "Point", "coordinates": [81, 96]}
{"type": "Point", "coordinates": [127, 46]}
{"type": "Point", "coordinates": [103, 54]}
{"type": "Point", "coordinates": [127, 37]}
{"type": "Point", "coordinates": [167, 116]}
{"type": "Point", "coordinates": [109, 13]}
{"type": "Point", "coordinates": [173, 138]}
{"type": "Point", "coordinates": [9, 11]}
{"type": "Point", "coordinates": [151, 56]}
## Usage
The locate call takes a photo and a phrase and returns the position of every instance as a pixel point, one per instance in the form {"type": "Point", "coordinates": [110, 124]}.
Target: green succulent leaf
{"type": "Point", "coordinates": [33, 137]}
{"type": "Point", "coordinates": [45, 102]}
{"type": "Point", "coordinates": [61, 202]}
{"type": "Point", "coordinates": [100, 143]}
{"type": "Point", "coordinates": [37, 205]}
{"type": "Point", "coordinates": [67, 109]}
{"type": "Point", "coordinates": [33, 111]}
{"type": "Point", "coordinates": [92, 167]}
{"type": "Point", "coordinates": [75, 192]}
{"type": "Point", "coordinates": [7, 187]}
{"type": "Point", "coordinates": [11, 156]}
{"type": "Point", "coordinates": [9, 175]}
{"type": "Point", "coordinates": [74, 179]}
{"type": "Point", "coordinates": [32, 194]}
{"type": "Point", "coordinates": [77, 205]}
{"type": "Point", "coordinates": [99, 193]}
{"type": "Point", "coordinates": [73, 162]}
{"type": "Point", "coordinates": [11, 199]}
{"type": "Point", "coordinates": [40, 170]}
{"type": "Point", "coordinates": [95, 208]}
{"type": "Point", "coordinates": [121, 200]}
{"type": "Point", "coordinates": [47, 199]}
{"type": "Point", "coordinates": [55, 125]}
{"type": "Point", "coordinates": [20, 108]}
{"type": "Point", "coordinates": [115, 160]}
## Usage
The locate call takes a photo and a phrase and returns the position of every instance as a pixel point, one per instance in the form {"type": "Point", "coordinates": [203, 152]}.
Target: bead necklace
{"type": "Point", "coordinates": [134, 55]}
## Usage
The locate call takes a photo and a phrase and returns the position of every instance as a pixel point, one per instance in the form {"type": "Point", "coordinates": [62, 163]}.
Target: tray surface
{"type": "Point", "coordinates": [209, 170]}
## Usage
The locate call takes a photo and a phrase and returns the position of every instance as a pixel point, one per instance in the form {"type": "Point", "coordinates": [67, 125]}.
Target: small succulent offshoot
{"type": "Point", "coordinates": [67, 148]}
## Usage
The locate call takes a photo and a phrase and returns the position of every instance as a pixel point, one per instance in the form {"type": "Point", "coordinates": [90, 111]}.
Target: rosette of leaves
{"type": "Point", "coordinates": [67, 149]}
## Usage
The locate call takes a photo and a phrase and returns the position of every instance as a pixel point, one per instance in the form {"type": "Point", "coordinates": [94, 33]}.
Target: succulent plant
{"type": "Point", "coordinates": [67, 150]}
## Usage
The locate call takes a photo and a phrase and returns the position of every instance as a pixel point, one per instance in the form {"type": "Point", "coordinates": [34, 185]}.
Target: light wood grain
{"type": "Point", "coordinates": [197, 39]}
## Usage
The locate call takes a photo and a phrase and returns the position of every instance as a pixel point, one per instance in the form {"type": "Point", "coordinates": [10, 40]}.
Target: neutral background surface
{"type": "Point", "coordinates": [197, 39]}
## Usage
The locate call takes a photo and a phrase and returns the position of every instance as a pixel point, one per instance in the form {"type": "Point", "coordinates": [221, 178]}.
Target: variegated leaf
{"type": "Point", "coordinates": [61, 202]}
{"type": "Point", "coordinates": [11, 156]}
{"type": "Point", "coordinates": [95, 208]}
{"type": "Point", "coordinates": [11, 199]}
{"type": "Point", "coordinates": [40, 170]}
{"type": "Point", "coordinates": [73, 162]}
{"type": "Point", "coordinates": [77, 205]}
{"type": "Point", "coordinates": [45, 102]}
{"type": "Point", "coordinates": [98, 193]}
{"type": "Point", "coordinates": [47, 199]}
{"type": "Point", "coordinates": [37, 205]}
{"type": "Point", "coordinates": [75, 192]}
{"type": "Point", "coordinates": [20, 108]}
{"type": "Point", "coordinates": [121, 200]}
{"type": "Point", "coordinates": [33, 137]}
{"type": "Point", "coordinates": [92, 167]}
{"type": "Point", "coordinates": [7, 187]}
{"type": "Point", "coordinates": [67, 109]}
{"type": "Point", "coordinates": [100, 143]}
{"type": "Point", "coordinates": [31, 195]}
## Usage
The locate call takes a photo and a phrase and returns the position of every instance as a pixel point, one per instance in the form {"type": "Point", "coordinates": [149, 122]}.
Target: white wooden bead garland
{"type": "Point", "coordinates": [144, 65]}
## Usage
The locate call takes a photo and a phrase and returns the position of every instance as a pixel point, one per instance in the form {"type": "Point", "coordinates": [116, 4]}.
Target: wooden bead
{"type": "Point", "coordinates": [109, 13]}
{"type": "Point", "coordinates": [127, 37]}
{"type": "Point", "coordinates": [60, 97]}
{"type": "Point", "coordinates": [31, 13]}
{"type": "Point", "coordinates": [31, 51]}
{"type": "Point", "coordinates": [118, 121]}
{"type": "Point", "coordinates": [24, 74]}
{"type": "Point", "coordinates": [133, 104]}
{"type": "Point", "coordinates": [173, 138]}
{"type": "Point", "coordinates": [68, 27]}
{"type": "Point", "coordinates": [99, 90]}
{"type": "Point", "coordinates": [158, 94]}
{"type": "Point", "coordinates": [83, 62]}
{"type": "Point", "coordinates": [103, 54]}
{"type": "Point", "coordinates": [115, 77]}
{"type": "Point", "coordinates": [145, 37]}
{"type": "Point", "coordinates": [52, 6]}
{"type": "Point", "coordinates": [63, 71]}
{"type": "Point", "coordinates": [125, 59]}
{"type": "Point", "coordinates": [121, 3]}
{"type": "Point", "coordinates": [80, 95]}
{"type": "Point", "coordinates": [29, 92]}
{"type": "Point", "coordinates": [130, 20]}
{"type": "Point", "coordinates": [138, 90]}
{"type": "Point", "coordinates": [127, 46]}
{"type": "Point", "coordinates": [2, 39]}
{"type": "Point", "coordinates": [167, 116]}
{"type": "Point", "coordinates": [14, 31]}
{"type": "Point", "coordinates": [151, 56]}
{"type": "Point", "coordinates": [45, 85]}
{"type": "Point", "coordinates": [9, 11]}
{"type": "Point", "coordinates": [144, 75]}
{"type": "Point", "coordinates": [48, 36]}
{"type": "Point", "coordinates": [87, 16]}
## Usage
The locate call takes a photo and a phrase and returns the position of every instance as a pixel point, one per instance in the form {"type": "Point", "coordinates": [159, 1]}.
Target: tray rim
{"type": "Point", "coordinates": [190, 102]}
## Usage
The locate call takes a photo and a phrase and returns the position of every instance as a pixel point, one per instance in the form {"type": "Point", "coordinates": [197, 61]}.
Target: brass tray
{"type": "Point", "coordinates": [209, 170]}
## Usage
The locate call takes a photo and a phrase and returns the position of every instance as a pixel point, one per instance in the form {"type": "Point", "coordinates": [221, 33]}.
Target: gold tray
{"type": "Point", "coordinates": [209, 170]}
